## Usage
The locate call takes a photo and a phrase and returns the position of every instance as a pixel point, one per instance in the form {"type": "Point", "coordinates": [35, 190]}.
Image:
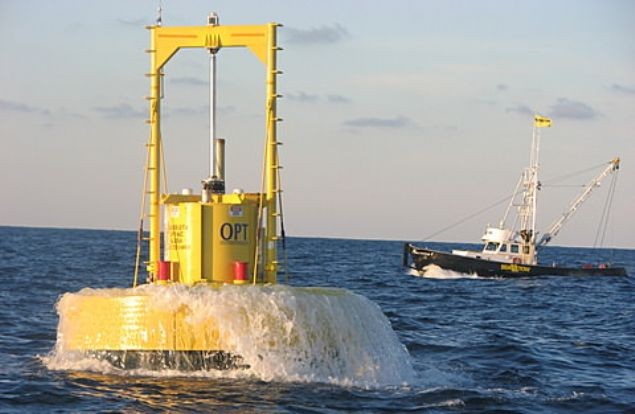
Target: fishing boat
{"type": "Point", "coordinates": [512, 251]}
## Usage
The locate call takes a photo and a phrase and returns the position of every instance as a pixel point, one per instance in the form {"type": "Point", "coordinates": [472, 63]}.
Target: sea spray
{"type": "Point", "coordinates": [283, 333]}
{"type": "Point", "coordinates": [435, 272]}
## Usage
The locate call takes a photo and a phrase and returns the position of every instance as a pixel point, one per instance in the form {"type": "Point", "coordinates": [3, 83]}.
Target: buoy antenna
{"type": "Point", "coordinates": [159, 10]}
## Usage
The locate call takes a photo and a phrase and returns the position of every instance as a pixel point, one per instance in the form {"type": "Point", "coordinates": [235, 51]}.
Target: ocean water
{"type": "Point", "coordinates": [442, 343]}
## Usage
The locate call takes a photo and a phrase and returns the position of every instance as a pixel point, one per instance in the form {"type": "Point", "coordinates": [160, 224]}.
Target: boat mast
{"type": "Point", "coordinates": [535, 164]}
{"type": "Point", "coordinates": [528, 207]}
{"type": "Point", "coordinates": [527, 211]}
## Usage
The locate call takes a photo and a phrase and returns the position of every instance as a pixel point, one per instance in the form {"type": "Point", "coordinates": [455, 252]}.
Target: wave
{"type": "Point", "coordinates": [283, 333]}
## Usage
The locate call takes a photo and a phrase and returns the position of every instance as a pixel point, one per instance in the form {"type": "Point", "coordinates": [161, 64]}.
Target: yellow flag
{"type": "Point", "coordinates": [541, 121]}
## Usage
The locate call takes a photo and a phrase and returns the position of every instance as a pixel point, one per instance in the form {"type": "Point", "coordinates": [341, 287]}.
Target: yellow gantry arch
{"type": "Point", "coordinates": [165, 43]}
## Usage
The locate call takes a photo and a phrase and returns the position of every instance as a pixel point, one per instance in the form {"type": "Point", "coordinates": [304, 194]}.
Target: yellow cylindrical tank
{"type": "Point", "coordinates": [234, 239]}
{"type": "Point", "coordinates": [185, 222]}
{"type": "Point", "coordinates": [205, 240]}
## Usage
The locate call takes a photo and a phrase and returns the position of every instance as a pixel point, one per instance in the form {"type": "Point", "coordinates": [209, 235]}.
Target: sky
{"type": "Point", "coordinates": [400, 118]}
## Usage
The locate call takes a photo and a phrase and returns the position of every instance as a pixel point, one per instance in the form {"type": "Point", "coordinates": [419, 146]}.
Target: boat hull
{"type": "Point", "coordinates": [418, 258]}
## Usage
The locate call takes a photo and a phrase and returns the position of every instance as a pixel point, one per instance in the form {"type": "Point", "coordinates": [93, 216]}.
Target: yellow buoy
{"type": "Point", "coordinates": [211, 239]}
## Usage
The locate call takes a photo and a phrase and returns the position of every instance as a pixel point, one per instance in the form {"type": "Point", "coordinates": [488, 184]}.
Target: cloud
{"type": "Point", "coordinates": [63, 112]}
{"type": "Point", "coordinates": [187, 111]}
{"type": "Point", "coordinates": [566, 108]}
{"type": "Point", "coordinates": [13, 106]}
{"type": "Point", "coordinates": [188, 81]}
{"type": "Point", "coordinates": [338, 99]}
{"type": "Point", "coordinates": [630, 90]}
{"type": "Point", "coordinates": [120, 111]}
{"type": "Point", "coordinates": [316, 35]}
{"type": "Point", "coordinates": [372, 122]}
{"type": "Point", "coordinates": [502, 87]}
{"type": "Point", "coordinates": [521, 109]}
{"type": "Point", "coordinates": [302, 97]}
{"type": "Point", "coordinates": [307, 97]}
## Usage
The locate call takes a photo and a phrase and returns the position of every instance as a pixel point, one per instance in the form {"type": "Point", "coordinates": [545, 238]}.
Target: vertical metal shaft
{"type": "Point", "coordinates": [219, 160]}
{"type": "Point", "coordinates": [212, 112]}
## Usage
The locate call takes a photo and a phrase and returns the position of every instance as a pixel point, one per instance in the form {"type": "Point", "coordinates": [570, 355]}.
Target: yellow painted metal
{"type": "Point", "coordinates": [135, 322]}
{"type": "Point", "coordinates": [168, 40]}
{"type": "Point", "coordinates": [117, 320]}
{"type": "Point", "coordinates": [165, 42]}
{"type": "Point", "coordinates": [271, 231]}
{"type": "Point", "coordinates": [185, 223]}
{"type": "Point", "coordinates": [180, 198]}
{"type": "Point", "coordinates": [234, 229]}
{"type": "Point", "coordinates": [154, 162]}
{"type": "Point", "coordinates": [204, 240]}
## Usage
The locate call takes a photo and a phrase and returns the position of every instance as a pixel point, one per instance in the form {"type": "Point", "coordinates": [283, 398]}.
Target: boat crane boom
{"type": "Point", "coordinates": [553, 230]}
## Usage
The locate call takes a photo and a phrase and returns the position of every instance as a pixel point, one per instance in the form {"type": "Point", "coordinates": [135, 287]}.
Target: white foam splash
{"type": "Point", "coordinates": [283, 333]}
{"type": "Point", "coordinates": [436, 272]}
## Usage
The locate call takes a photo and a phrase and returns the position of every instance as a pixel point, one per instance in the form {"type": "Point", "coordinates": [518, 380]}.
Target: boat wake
{"type": "Point", "coordinates": [282, 333]}
{"type": "Point", "coordinates": [436, 272]}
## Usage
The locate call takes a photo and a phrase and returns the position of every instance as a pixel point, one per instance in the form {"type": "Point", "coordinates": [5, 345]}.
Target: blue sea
{"type": "Point", "coordinates": [465, 344]}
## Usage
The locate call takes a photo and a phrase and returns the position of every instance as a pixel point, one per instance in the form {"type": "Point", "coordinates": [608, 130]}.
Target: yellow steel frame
{"type": "Point", "coordinates": [165, 42]}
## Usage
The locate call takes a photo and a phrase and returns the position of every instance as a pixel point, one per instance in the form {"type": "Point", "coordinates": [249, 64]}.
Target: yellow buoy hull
{"type": "Point", "coordinates": [135, 322]}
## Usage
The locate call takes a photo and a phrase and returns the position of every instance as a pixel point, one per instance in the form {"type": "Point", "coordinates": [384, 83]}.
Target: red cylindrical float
{"type": "Point", "coordinates": [164, 270]}
{"type": "Point", "coordinates": [240, 271]}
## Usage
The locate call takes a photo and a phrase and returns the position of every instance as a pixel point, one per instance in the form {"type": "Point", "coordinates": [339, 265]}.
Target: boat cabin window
{"type": "Point", "coordinates": [491, 246]}
{"type": "Point", "coordinates": [526, 249]}
{"type": "Point", "coordinates": [514, 248]}
{"type": "Point", "coordinates": [503, 248]}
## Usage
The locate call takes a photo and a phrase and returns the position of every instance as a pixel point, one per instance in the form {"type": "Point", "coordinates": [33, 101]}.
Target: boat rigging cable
{"type": "Point", "coordinates": [612, 167]}
{"type": "Point", "coordinates": [553, 181]}
{"type": "Point", "coordinates": [471, 216]}
{"type": "Point", "coordinates": [604, 219]}
{"type": "Point", "coordinates": [602, 228]}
